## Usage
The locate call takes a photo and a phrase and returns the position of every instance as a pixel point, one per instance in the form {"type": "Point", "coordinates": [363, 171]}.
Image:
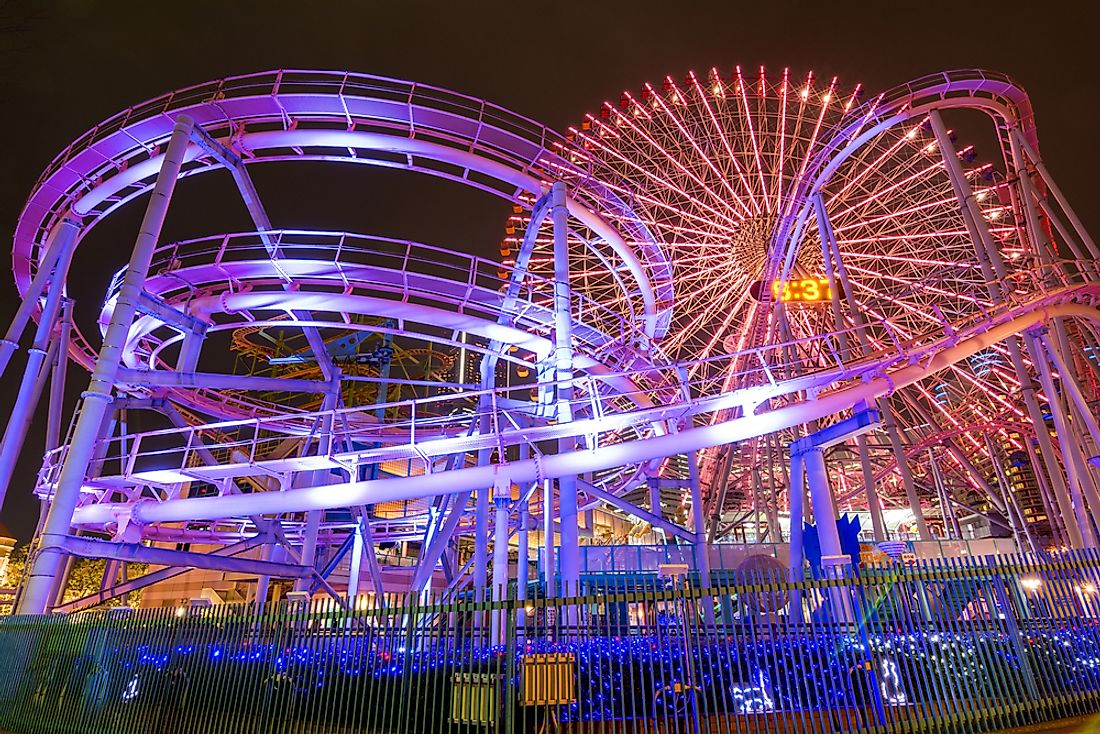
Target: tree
{"type": "Point", "coordinates": [85, 576]}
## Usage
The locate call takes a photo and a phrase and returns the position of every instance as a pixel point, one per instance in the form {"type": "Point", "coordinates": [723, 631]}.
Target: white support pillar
{"type": "Point", "coordinates": [550, 571]}
{"type": "Point", "coordinates": [653, 486]}
{"type": "Point", "coordinates": [38, 366]}
{"type": "Point", "coordinates": [1058, 480]}
{"type": "Point", "coordinates": [309, 547]}
{"type": "Point", "coordinates": [698, 525]}
{"type": "Point", "coordinates": [61, 246]}
{"type": "Point", "coordinates": [1065, 373]}
{"type": "Point", "coordinates": [1052, 185]}
{"type": "Point", "coordinates": [523, 565]}
{"type": "Point", "coordinates": [502, 500]}
{"type": "Point", "coordinates": [56, 406]}
{"type": "Point", "coordinates": [97, 398]}
{"type": "Point", "coordinates": [481, 538]}
{"type": "Point", "coordinates": [318, 477]}
{"type": "Point", "coordinates": [950, 520]}
{"type": "Point", "coordinates": [20, 422]}
{"type": "Point", "coordinates": [355, 564]}
{"type": "Point", "coordinates": [821, 495]}
{"type": "Point", "coordinates": [834, 563]}
{"type": "Point", "coordinates": [263, 581]}
{"type": "Point", "coordinates": [829, 249]}
{"type": "Point", "coordinates": [563, 377]}
{"type": "Point", "coordinates": [1044, 248]}
{"type": "Point", "coordinates": [797, 491]}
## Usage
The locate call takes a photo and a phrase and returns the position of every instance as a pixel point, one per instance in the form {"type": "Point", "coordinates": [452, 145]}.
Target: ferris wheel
{"type": "Point", "coordinates": [711, 165]}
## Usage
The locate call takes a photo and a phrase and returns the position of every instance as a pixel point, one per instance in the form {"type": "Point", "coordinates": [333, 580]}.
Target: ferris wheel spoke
{"type": "Point", "coordinates": [721, 133]}
{"type": "Point", "coordinates": [702, 156]}
{"type": "Point", "coordinates": [890, 154]}
{"type": "Point", "coordinates": [813, 138]}
{"type": "Point", "coordinates": [678, 166]}
{"type": "Point", "coordinates": [751, 133]}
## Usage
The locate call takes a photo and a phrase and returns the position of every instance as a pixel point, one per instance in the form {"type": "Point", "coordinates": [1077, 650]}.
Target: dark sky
{"type": "Point", "coordinates": [67, 64]}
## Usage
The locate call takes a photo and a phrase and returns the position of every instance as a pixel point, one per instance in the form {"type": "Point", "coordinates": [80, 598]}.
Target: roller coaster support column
{"type": "Point", "coordinates": [97, 398]}
{"type": "Point", "coordinates": [828, 248]}
{"type": "Point", "coordinates": [1041, 169]}
{"type": "Point", "coordinates": [549, 559]}
{"type": "Point", "coordinates": [563, 377]}
{"type": "Point", "coordinates": [50, 270]}
{"type": "Point", "coordinates": [1074, 390]}
{"type": "Point", "coordinates": [522, 564]}
{"type": "Point", "coordinates": [502, 500]}
{"type": "Point", "coordinates": [1084, 412]}
{"type": "Point", "coordinates": [320, 476]}
{"type": "Point", "coordinates": [834, 563]}
{"type": "Point", "coordinates": [37, 368]}
{"type": "Point", "coordinates": [889, 424]}
{"type": "Point", "coordinates": [797, 491]}
{"type": "Point", "coordinates": [362, 548]}
{"type": "Point", "coordinates": [821, 496]}
{"type": "Point", "coordinates": [808, 452]}
{"type": "Point", "coordinates": [1041, 245]}
{"type": "Point", "coordinates": [698, 524]}
{"type": "Point", "coordinates": [56, 406]}
{"type": "Point", "coordinates": [1062, 429]}
{"type": "Point", "coordinates": [950, 520]}
{"type": "Point", "coordinates": [994, 271]}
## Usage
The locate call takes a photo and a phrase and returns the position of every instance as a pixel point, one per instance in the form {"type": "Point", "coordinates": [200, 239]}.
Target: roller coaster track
{"type": "Point", "coordinates": [829, 391]}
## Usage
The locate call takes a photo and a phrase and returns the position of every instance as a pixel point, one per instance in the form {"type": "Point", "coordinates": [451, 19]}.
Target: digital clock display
{"type": "Point", "coordinates": [798, 290]}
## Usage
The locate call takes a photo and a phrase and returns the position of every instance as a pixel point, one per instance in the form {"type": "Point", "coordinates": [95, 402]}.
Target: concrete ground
{"type": "Point", "coordinates": [1079, 725]}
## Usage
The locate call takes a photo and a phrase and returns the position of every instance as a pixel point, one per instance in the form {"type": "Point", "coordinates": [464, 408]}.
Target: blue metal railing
{"type": "Point", "coordinates": [962, 645]}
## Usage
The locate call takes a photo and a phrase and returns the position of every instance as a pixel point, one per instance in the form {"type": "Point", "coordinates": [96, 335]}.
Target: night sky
{"type": "Point", "coordinates": [67, 64]}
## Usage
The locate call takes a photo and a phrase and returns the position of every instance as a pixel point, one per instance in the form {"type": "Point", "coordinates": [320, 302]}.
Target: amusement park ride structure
{"type": "Point", "coordinates": [761, 293]}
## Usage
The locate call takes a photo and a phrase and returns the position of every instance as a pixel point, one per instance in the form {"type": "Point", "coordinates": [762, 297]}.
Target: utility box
{"type": "Point", "coordinates": [548, 680]}
{"type": "Point", "coordinates": [474, 698]}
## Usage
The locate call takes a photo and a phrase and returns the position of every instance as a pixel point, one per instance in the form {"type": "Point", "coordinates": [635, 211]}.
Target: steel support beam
{"type": "Point", "coordinates": [563, 377]}
{"type": "Point", "coordinates": [214, 381]}
{"type": "Point", "coordinates": [993, 269]}
{"type": "Point", "coordinates": [97, 398]}
{"type": "Point", "coordinates": [151, 305]}
{"type": "Point", "coordinates": [883, 403]}
{"type": "Point", "coordinates": [1052, 185]}
{"type": "Point", "coordinates": [631, 509]}
{"type": "Point", "coordinates": [38, 361]}
{"type": "Point", "coordinates": [809, 451]}
{"type": "Point", "coordinates": [153, 577]}
{"type": "Point", "coordinates": [138, 553]}
{"type": "Point", "coordinates": [698, 524]}
{"type": "Point", "coordinates": [58, 251]}
{"type": "Point", "coordinates": [797, 491]}
{"type": "Point", "coordinates": [19, 422]}
{"type": "Point", "coordinates": [60, 367]}
{"type": "Point", "coordinates": [1076, 482]}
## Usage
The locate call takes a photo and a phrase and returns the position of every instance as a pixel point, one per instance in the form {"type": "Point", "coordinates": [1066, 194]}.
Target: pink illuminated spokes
{"type": "Point", "coordinates": [685, 150]}
{"type": "Point", "coordinates": [721, 133]}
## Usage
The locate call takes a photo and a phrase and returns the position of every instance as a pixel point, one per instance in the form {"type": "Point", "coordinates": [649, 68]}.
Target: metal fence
{"type": "Point", "coordinates": [962, 645]}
